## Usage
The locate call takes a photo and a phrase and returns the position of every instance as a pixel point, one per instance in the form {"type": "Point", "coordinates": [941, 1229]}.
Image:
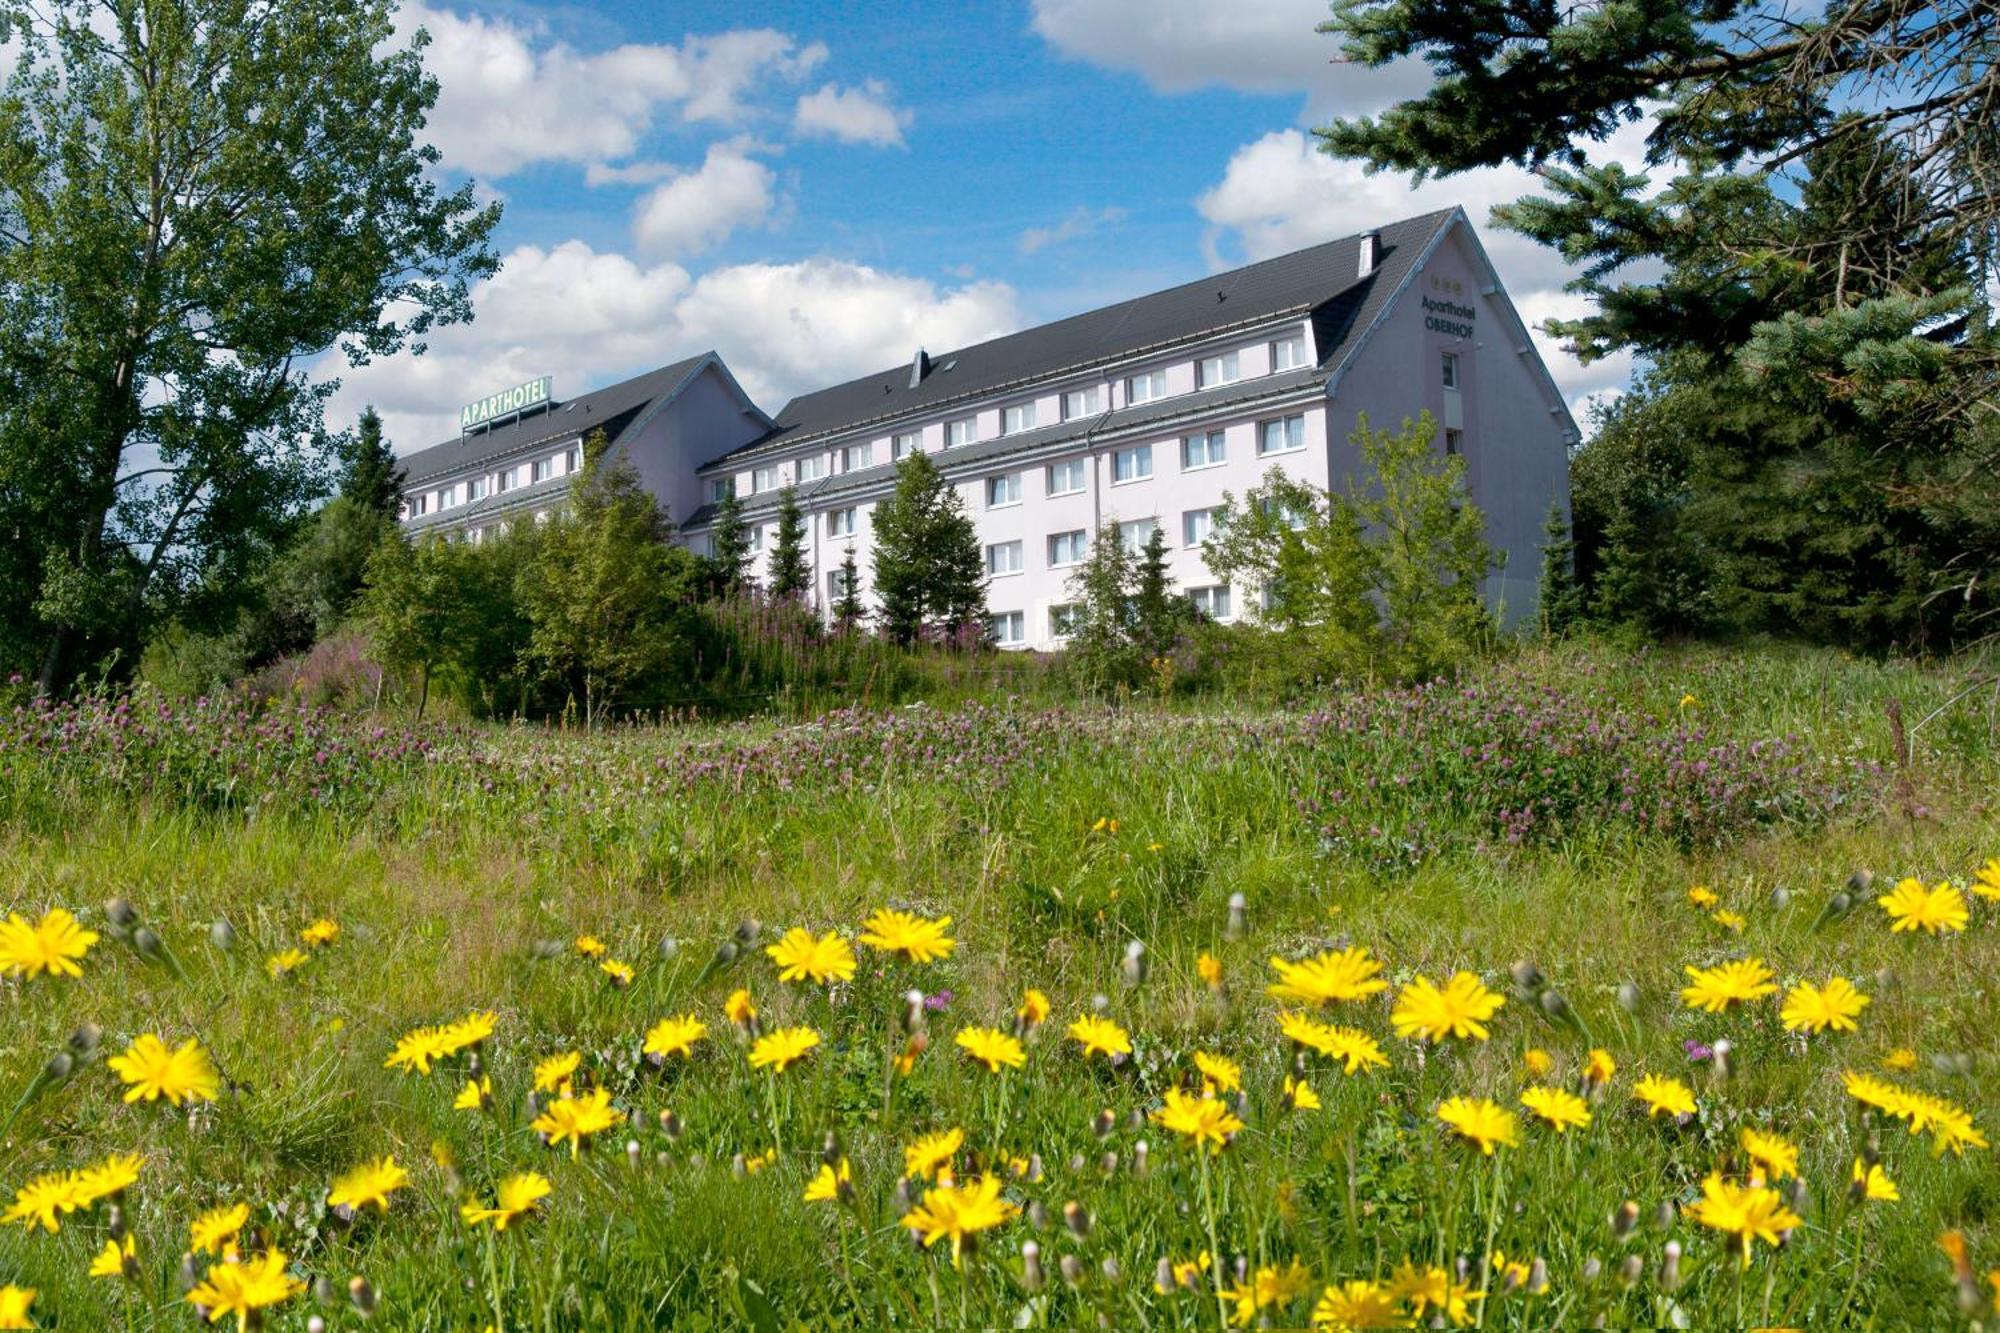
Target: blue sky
{"type": "Point", "coordinates": [816, 190]}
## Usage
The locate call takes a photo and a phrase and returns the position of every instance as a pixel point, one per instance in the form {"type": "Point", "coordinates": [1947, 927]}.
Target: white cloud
{"type": "Point", "coordinates": [1079, 222]}
{"type": "Point", "coordinates": [587, 317]}
{"type": "Point", "coordinates": [509, 97]}
{"type": "Point", "coordinates": [1280, 193]}
{"type": "Point", "coordinates": [696, 211]}
{"type": "Point", "coordinates": [852, 115]}
{"type": "Point", "coordinates": [1272, 46]}
{"type": "Point", "coordinates": [628, 173]}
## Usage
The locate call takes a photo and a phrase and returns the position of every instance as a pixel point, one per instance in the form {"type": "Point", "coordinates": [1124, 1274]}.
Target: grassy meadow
{"type": "Point", "coordinates": [1539, 826]}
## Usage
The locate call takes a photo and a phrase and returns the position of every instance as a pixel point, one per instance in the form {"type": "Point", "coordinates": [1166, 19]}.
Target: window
{"type": "Point", "coordinates": [1196, 525]}
{"type": "Point", "coordinates": [1015, 419]}
{"type": "Point", "coordinates": [447, 496]}
{"type": "Point", "coordinates": [960, 432]}
{"type": "Point", "coordinates": [1003, 491]}
{"type": "Point", "coordinates": [503, 481]}
{"type": "Point", "coordinates": [475, 489]}
{"type": "Point", "coordinates": [812, 467]}
{"type": "Point", "coordinates": [1134, 464]}
{"type": "Point", "coordinates": [1204, 450]}
{"type": "Point", "coordinates": [1448, 369]}
{"type": "Point", "coordinates": [840, 522]}
{"type": "Point", "coordinates": [857, 456]}
{"type": "Point", "coordinates": [1212, 602]}
{"type": "Point", "coordinates": [764, 479]}
{"type": "Point", "coordinates": [1145, 388]}
{"type": "Point", "coordinates": [1081, 403]}
{"type": "Point", "coordinates": [1213, 370]}
{"type": "Point", "coordinates": [1135, 533]}
{"type": "Point", "coordinates": [1281, 436]}
{"type": "Point", "coordinates": [572, 459]}
{"type": "Point", "coordinates": [1009, 628]}
{"type": "Point", "coordinates": [419, 505]}
{"type": "Point", "coordinates": [837, 585]}
{"type": "Point", "coordinates": [1066, 478]}
{"type": "Point", "coordinates": [756, 535]}
{"type": "Point", "coordinates": [721, 489]}
{"type": "Point", "coordinates": [904, 444]}
{"type": "Point", "coordinates": [541, 469]}
{"type": "Point", "coordinates": [1003, 558]}
{"type": "Point", "coordinates": [1291, 518]}
{"type": "Point", "coordinates": [1063, 619]}
{"type": "Point", "coordinates": [1068, 548]}
{"type": "Point", "coordinates": [1286, 354]}
{"type": "Point", "coordinates": [1454, 442]}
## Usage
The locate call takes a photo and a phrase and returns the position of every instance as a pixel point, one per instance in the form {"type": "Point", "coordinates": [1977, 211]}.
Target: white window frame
{"type": "Point", "coordinates": [541, 469]}
{"type": "Point", "coordinates": [720, 489]}
{"type": "Point", "coordinates": [961, 432]}
{"type": "Point", "coordinates": [1140, 455]}
{"type": "Point", "coordinates": [1285, 428]}
{"type": "Point", "coordinates": [754, 536]}
{"type": "Point", "coordinates": [1134, 539]}
{"type": "Point", "coordinates": [763, 479]}
{"type": "Point", "coordinates": [1081, 469]}
{"type": "Point", "coordinates": [1204, 599]}
{"type": "Point", "coordinates": [1192, 519]}
{"type": "Point", "coordinates": [1003, 491]}
{"type": "Point", "coordinates": [812, 467]}
{"type": "Point", "coordinates": [475, 489]}
{"type": "Point", "coordinates": [1062, 619]}
{"type": "Point", "coordinates": [1080, 403]}
{"type": "Point", "coordinates": [1214, 450]}
{"type": "Point", "coordinates": [836, 585]}
{"type": "Point", "coordinates": [855, 457]}
{"type": "Point", "coordinates": [1155, 382]}
{"type": "Point", "coordinates": [840, 522]}
{"type": "Point", "coordinates": [1448, 369]}
{"type": "Point", "coordinates": [1222, 368]}
{"type": "Point", "coordinates": [1005, 558]}
{"type": "Point", "coordinates": [904, 443]}
{"type": "Point", "coordinates": [1077, 540]}
{"type": "Point", "coordinates": [1293, 355]}
{"type": "Point", "coordinates": [1017, 625]}
{"type": "Point", "coordinates": [1020, 417]}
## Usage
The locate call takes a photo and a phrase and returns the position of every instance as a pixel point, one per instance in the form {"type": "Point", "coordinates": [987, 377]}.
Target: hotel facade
{"type": "Point", "coordinates": [1141, 414]}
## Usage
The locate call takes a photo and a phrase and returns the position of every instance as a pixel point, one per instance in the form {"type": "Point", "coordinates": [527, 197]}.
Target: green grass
{"type": "Point", "coordinates": [460, 878]}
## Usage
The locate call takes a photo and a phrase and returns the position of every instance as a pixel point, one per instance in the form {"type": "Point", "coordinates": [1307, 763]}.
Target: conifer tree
{"type": "Point", "coordinates": [729, 545]}
{"type": "Point", "coordinates": [791, 574]}
{"type": "Point", "coordinates": [847, 608]}
{"type": "Point", "coordinates": [929, 577]}
{"type": "Point", "coordinates": [1561, 601]}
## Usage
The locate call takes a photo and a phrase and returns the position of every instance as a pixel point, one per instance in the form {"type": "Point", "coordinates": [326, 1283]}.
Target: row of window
{"type": "Point", "coordinates": [1010, 628]}
{"type": "Point", "coordinates": [1207, 449]}
{"type": "Point", "coordinates": [1225, 368]}
{"type": "Point", "coordinates": [1068, 549]}
{"type": "Point", "coordinates": [559, 464]}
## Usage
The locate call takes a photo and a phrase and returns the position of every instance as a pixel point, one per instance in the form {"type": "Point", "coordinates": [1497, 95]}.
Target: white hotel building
{"type": "Point", "coordinates": [1141, 413]}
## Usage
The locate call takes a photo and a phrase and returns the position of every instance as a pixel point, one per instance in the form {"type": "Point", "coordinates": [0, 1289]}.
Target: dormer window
{"type": "Point", "coordinates": [1082, 403]}
{"type": "Point", "coordinates": [1016, 419]}
{"type": "Point", "coordinates": [964, 431]}
{"type": "Point", "coordinates": [1213, 370]}
{"type": "Point", "coordinates": [1145, 388]}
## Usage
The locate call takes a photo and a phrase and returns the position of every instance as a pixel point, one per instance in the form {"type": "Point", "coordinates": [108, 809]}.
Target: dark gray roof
{"type": "Point", "coordinates": [614, 407]}
{"type": "Point", "coordinates": [1323, 279]}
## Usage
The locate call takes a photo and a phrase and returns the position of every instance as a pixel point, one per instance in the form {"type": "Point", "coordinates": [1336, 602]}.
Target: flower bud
{"type": "Point", "coordinates": [632, 1151]}
{"type": "Point", "coordinates": [1139, 1154]}
{"type": "Point", "coordinates": [1555, 1006]}
{"type": "Point", "coordinates": [1100, 1004]}
{"type": "Point", "coordinates": [149, 944]}
{"type": "Point", "coordinates": [1527, 976]}
{"type": "Point", "coordinates": [669, 947]}
{"type": "Point", "coordinates": [114, 1221]}
{"type": "Point", "coordinates": [829, 1149]}
{"type": "Point", "coordinates": [324, 1291]}
{"type": "Point", "coordinates": [1628, 996]}
{"type": "Point", "coordinates": [1238, 917]}
{"type": "Point", "coordinates": [738, 1166]}
{"type": "Point", "coordinates": [188, 1275]}
{"type": "Point", "coordinates": [1163, 1275]}
{"type": "Point", "coordinates": [1670, 1267]}
{"type": "Point", "coordinates": [1631, 1270]}
{"type": "Point", "coordinates": [1626, 1218]}
{"type": "Point", "coordinates": [1105, 1122]}
{"type": "Point", "coordinates": [1538, 1276]}
{"type": "Point", "coordinates": [747, 931]}
{"type": "Point", "coordinates": [1664, 1215]}
{"type": "Point", "coordinates": [1134, 966]}
{"type": "Point", "coordinates": [1112, 1272]}
{"type": "Point", "coordinates": [121, 914]}
{"type": "Point", "coordinates": [670, 1124]}
{"type": "Point", "coordinates": [1108, 1164]}
{"type": "Point", "coordinates": [1591, 1269]}
{"type": "Point", "coordinates": [1038, 1215]}
{"type": "Point", "coordinates": [222, 935]}
{"type": "Point", "coordinates": [1031, 1266]}
{"type": "Point", "coordinates": [1072, 1269]}
{"type": "Point", "coordinates": [59, 1067]}
{"type": "Point", "coordinates": [316, 1324]}
{"type": "Point", "coordinates": [1781, 898]}
{"type": "Point", "coordinates": [1034, 1166]}
{"type": "Point", "coordinates": [361, 1294]}
{"type": "Point", "coordinates": [1076, 1219]}
{"type": "Point", "coordinates": [83, 1042]}
{"type": "Point", "coordinates": [1720, 1064]}
{"type": "Point", "coordinates": [912, 1019]}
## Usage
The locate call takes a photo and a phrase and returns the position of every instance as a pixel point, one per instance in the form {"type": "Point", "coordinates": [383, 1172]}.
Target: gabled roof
{"type": "Point", "coordinates": [1323, 281]}
{"type": "Point", "coordinates": [614, 407]}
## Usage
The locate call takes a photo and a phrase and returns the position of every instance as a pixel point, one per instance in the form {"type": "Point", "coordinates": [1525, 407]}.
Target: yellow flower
{"type": "Point", "coordinates": [1703, 897]}
{"type": "Point", "coordinates": [1185, 1272]}
{"type": "Point", "coordinates": [619, 973]}
{"type": "Point", "coordinates": [1559, 1108]}
{"type": "Point", "coordinates": [675, 1036]}
{"type": "Point", "coordinates": [1203, 1121]}
{"type": "Point", "coordinates": [474, 1028]}
{"type": "Point", "coordinates": [244, 1289]}
{"type": "Point", "coordinates": [1664, 1096]}
{"type": "Point", "coordinates": [826, 1187]}
{"type": "Point", "coordinates": [783, 1048]}
{"type": "Point", "coordinates": [215, 1231]}
{"type": "Point", "coordinates": [1355, 1304]}
{"type": "Point", "coordinates": [1986, 880]}
{"type": "Point", "coordinates": [1209, 968]}
{"type": "Point", "coordinates": [1461, 1009]}
{"type": "Point", "coordinates": [320, 934]}
{"type": "Point", "coordinates": [1034, 1010]}
{"type": "Point", "coordinates": [932, 1153]}
{"type": "Point", "coordinates": [371, 1182]}
{"type": "Point", "coordinates": [417, 1049]}
{"type": "Point", "coordinates": [912, 938]}
{"type": "Point", "coordinates": [1810, 1008]}
{"type": "Point", "coordinates": [756, 1162]}
{"type": "Point", "coordinates": [739, 1009]}
{"type": "Point", "coordinates": [1746, 1213]}
{"type": "Point", "coordinates": [518, 1194]}
{"type": "Point", "coordinates": [1777, 1155]}
{"type": "Point", "coordinates": [1951, 1125]}
{"type": "Point", "coordinates": [50, 946]}
{"type": "Point", "coordinates": [1876, 1092]}
{"type": "Point", "coordinates": [1689, 701]}
{"type": "Point", "coordinates": [280, 963]}
{"type": "Point", "coordinates": [1714, 989]}
{"type": "Point", "coordinates": [1433, 1288]}
{"type": "Point", "coordinates": [1537, 1062]}
{"type": "Point", "coordinates": [1100, 1036]}
{"type": "Point", "coordinates": [14, 1303]}
{"type": "Point", "coordinates": [576, 1119]}
{"type": "Point", "coordinates": [1599, 1068]}
{"type": "Point", "coordinates": [1482, 1122]}
{"type": "Point", "coordinates": [38, 1202]}
{"type": "Point", "coordinates": [110, 1178]}
{"type": "Point", "coordinates": [1355, 1049]}
{"type": "Point", "coordinates": [476, 1095]}
{"type": "Point", "coordinates": [1218, 1073]}
{"type": "Point", "coordinates": [1268, 1286]}
{"type": "Point", "coordinates": [1299, 1095]}
{"type": "Point", "coordinates": [554, 1074]}
{"type": "Point", "coordinates": [800, 957]}
{"type": "Point", "coordinates": [115, 1260]}
{"type": "Point", "coordinates": [1728, 920]}
{"type": "Point", "coordinates": [992, 1048]}
{"type": "Point", "coordinates": [1873, 1184]}
{"type": "Point", "coordinates": [1935, 910]}
{"type": "Point", "coordinates": [590, 946]}
{"type": "Point", "coordinates": [960, 1213]}
{"type": "Point", "coordinates": [1331, 977]}
{"type": "Point", "coordinates": [1902, 1060]}
{"type": "Point", "coordinates": [151, 1071]}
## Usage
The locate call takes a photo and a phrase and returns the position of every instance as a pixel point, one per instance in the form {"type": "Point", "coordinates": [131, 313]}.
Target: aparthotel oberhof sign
{"type": "Point", "coordinates": [507, 403]}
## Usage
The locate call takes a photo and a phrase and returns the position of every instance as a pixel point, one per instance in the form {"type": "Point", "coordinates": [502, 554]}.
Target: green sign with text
{"type": "Point", "coordinates": [506, 403]}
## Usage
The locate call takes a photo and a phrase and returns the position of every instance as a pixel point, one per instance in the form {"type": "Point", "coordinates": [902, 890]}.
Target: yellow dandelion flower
{"type": "Point", "coordinates": [992, 1048]}
{"type": "Point", "coordinates": [418, 1049]}
{"type": "Point", "coordinates": [1935, 910]}
{"type": "Point", "coordinates": [620, 974]}
{"type": "Point", "coordinates": [477, 1095]}
{"type": "Point", "coordinates": [675, 1036]}
{"type": "Point", "coordinates": [1728, 920]}
{"type": "Point", "coordinates": [1986, 880]}
{"type": "Point", "coordinates": [591, 947]}
{"type": "Point", "coordinates": [215, 1231]}
{"type": "Point", "coordinates": [739, 1008]}
{"type": "Point", "coordinates": [1714, 989]}
{"type": "Point", "coordinates": [1901, 1060]}
{"type": "Point", "coordinates": [280, 963]}
{"type": "Point", "coordinates": [1777, 1155]}
{"type": "Point", "coordinates": [1100, 1036]}
{"type": "Point", "coordinates": [1299, 1095]}
{"type": "Point", "coordinates": [1433, 1289]}
{"type": "Point", "coordinates": [1873, 1184]}
{"type": "Point", "coordinates": [469, 1031]}
{"type": "Point", "coordinates": [41, 1201]}
{"type": "Point", "coordinates": [1480, 1121]}
{"type": "Point", "coordinates": [912, 938]}
{"type": "Point", "coordinates": [151, 1071]}
{"type": "Point", "coordinates": [115, 1260]}
{"type": "Point", "coordinates": [801, 957]}
{"type": "Point", "coordinates": [783, 1048]}
{"type": "Point", "coordinates": [109, 1178]}
{"type": "Point", "coordinates": [1209, 968]}
{"type": "Point", "coordinates": [1664, 1096]}
{"type": "Point", "coordinates": [1357, 1304]}
{"type": "Point", "coordinates": [15, 1303]}
{"type": "Point", "coordinates": [1561, 1110]}
{"type": "Point", "coordinates": [830, 1183]}
{"type": "Point", "coordinates": [932, 1153]}
{"type": "Point", "coordinates": [1331, 977]}
{"type": "Point", "coordinates": [1703, 897]}
{"type": "Point", "coordinates": [1745, 1213]}
{"type": "Point", "coordinates": [245, 1289]}
{"type": "Point", "coordinates": [1356, 1050]}
{"type": "Point", "coordinates": [1218, 1073]}
{"type": "Point", "coordinates": [371, 1182]}
{"type": "Point", "coordinates": [1599, 1069]}
{"type": "Point", "coordinates": [576, 1120]}
{"type": "Point", "coordinates": [1034, 1010]}
{"type": "Point", "coordinates": [1810, 1008]}
{"type": "Point", "coordinates": [554, 1074]}
{"type": "Point", "coordinates": [1203, 1121]}
{"type": "Point", "coordinates": [517, 1196]}
{"type": "Point", "coordinates": [320, 934]}
{"type": "Point", "coordinates": [1461, 1009]}
{"type": "Point", "coordinates": [49, 947]}
{"type": "Point", "coordinates": [1268, 1286]}
{"type": "Point", "coordinates": [1537, 1062]}
{"type": "Point", "coordinates": [959, 1213]}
